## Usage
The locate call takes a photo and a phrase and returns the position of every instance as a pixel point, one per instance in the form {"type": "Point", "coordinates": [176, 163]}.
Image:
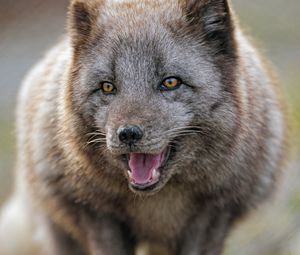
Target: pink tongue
{"type": "Point", "coordinates": [142, 166]}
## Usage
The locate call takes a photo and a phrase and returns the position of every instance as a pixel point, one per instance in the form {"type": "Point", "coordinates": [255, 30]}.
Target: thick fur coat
{"type": "Point", "coordinates": [174, 84]}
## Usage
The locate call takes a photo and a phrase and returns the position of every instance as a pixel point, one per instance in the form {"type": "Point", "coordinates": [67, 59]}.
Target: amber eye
{"type": "Point", "coordinates": [107, 87]}
{"type": "Point", "coordinates": [170, 83]}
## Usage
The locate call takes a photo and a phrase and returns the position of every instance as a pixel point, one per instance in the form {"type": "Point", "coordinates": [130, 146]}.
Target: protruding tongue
{"type": "Point", "coordinates": [143, 166]}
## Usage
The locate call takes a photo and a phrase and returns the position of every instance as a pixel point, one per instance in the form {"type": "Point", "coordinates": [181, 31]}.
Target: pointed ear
{"type": "Point", "coordinates": [82, 20]}
{"type": "Point", "coordinates": [215, 20]}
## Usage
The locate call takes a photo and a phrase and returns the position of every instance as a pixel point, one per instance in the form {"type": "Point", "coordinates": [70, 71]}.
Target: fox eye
{"type": "Point", "coordinates": [107, 88]}
{"type": "Point", "coordinates": [170, 83]}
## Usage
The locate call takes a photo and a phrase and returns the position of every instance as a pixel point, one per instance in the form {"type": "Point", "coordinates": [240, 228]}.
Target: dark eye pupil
{"type": "Point", "coordinates": [107, 87]}
{"type": "Point", "coordinates": [171, 82]}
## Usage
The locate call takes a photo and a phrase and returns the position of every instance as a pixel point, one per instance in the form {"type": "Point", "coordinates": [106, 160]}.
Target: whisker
{"type": "Point", "coordinates": [185, 129]}
{"type": "Point", "coordinates": [174, 135]}
{"type": "Point", "coordinates": [96, 141]}
{"type": "Point", "coordinates": [181, 135]}
{"type": "Point", "coordinates": [95, 133]}
{"type": "Point", "coordinates": [96, 137]}
{"type": "Point", "coordinates": [188, 131]}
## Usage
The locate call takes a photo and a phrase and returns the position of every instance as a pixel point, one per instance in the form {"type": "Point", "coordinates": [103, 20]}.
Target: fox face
{"type": "Point", "coordinates": [154, 82]}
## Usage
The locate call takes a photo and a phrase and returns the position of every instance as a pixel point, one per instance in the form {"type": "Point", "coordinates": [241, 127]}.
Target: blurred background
{"type": "Point", "coordinates": [29, 28]}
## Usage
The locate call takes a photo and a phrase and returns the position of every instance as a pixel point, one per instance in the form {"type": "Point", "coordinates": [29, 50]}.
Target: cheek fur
{"type": "Point", "coordinates": [101, 116]}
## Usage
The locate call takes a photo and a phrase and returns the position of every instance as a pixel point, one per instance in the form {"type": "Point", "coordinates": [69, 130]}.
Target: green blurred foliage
{"type": "Point", "coordinates": [7, 155]}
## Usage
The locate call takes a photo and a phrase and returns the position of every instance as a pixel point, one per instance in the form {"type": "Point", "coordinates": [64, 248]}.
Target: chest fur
{"type": "Point", "coordinates": [161, 217]}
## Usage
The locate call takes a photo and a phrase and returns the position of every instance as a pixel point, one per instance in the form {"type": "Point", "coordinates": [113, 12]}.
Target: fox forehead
{"type": "Point", "coordinates": [131, 1]}
{"type": "Point", "coordinates": [150, 5]}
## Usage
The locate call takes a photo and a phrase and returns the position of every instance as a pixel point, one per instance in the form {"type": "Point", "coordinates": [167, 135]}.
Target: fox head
{"type": "Point", "coordinates": [153, 83]}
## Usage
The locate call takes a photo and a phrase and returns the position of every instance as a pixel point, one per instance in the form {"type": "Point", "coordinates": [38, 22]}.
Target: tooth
{"type": "Point", "coordinates": [129, 174]}
{"type": "Point", "coordinates": [155, 174]}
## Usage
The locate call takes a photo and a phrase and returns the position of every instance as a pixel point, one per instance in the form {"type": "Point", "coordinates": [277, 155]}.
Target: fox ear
{"type": "Point", "coordinates": [82, 19]}
{"type": "Point", "coordinates": [215, 19]}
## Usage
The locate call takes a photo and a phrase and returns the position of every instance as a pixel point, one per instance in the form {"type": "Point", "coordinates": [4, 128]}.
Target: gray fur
{"type": "Point", "coordinates": [225, 121]}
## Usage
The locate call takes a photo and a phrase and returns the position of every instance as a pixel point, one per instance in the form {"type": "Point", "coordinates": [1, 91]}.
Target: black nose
{"type": "Point", "coordinates": [130, 135]}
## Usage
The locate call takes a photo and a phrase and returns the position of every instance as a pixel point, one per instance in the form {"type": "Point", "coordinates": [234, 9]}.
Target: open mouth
{"type": "Point", "coordinates": [146, 169]}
